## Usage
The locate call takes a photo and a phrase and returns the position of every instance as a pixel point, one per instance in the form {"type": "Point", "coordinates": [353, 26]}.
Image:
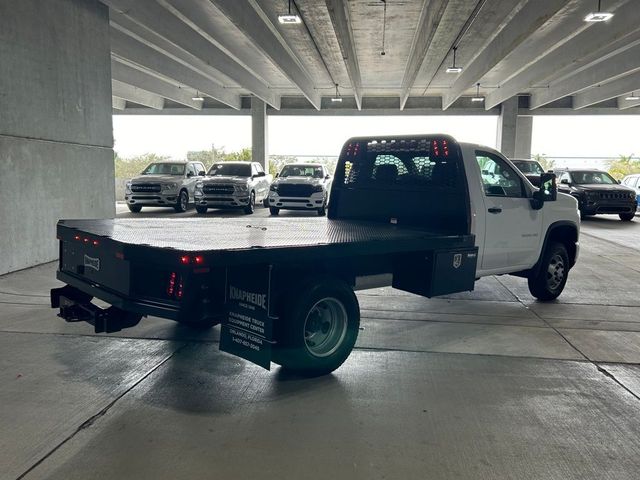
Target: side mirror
{"type": "Point", "coordinates": [261, 174]}
{"type": "Point", "coordinates": [202, 173]}
{"type": "Point", "coordinates": [189, 174]}
{"type": "Point", "coordinates": [327, 176]}
{"type": "Point", "coordinates": [548, 191]}
{"type": "Point", "coordinates": [565, 181]}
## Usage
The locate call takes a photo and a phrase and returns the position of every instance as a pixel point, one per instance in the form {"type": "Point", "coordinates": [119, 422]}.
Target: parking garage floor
{"type": "Point", "coordinates": [488, 384]}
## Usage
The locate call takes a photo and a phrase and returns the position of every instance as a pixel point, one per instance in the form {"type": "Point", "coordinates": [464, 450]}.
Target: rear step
{"type": "Point", "coordinates": [76, 306]}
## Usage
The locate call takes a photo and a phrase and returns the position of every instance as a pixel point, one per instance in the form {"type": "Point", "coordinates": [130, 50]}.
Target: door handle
{"type": "Point", "coordinates": [495, 210]}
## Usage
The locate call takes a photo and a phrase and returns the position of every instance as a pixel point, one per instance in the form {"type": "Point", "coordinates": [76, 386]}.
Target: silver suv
{"type": "Point", "coordinates": [164, 184]}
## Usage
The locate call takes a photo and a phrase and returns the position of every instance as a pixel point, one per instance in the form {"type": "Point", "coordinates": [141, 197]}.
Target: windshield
{"type": "Point", "coordinates": [590, 178]}
{"type": "Point", "coordinates": [533, 168]}
{"type": "Point", "coordinates": [302, 171]}
{"type": "Point", "coordinates": [230, 170]}
{"type": "Point", "coordinates": [164, 169]}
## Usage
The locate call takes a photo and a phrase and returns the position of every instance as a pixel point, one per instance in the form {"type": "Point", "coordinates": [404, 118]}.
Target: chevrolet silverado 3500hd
{"type": "Point", "coordinates": [416, 213]}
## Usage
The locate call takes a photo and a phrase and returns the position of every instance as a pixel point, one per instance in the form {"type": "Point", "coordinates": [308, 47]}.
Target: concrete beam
{"type": "Point", "coordinates": [618, 65]}
{"type": "Point", "coordinates": [118, 103]}
{"type": "Point", "coordinates": [164, 22]}
{"type": "Point", "coordinates": [155, 41]}
{"type": "Point", "coordinates": [526, 21]}
{"type": "Point", "coordinates": [428, 22]}
{"type": "Point", "coordinates": [341, 21]}
{"type": "Point", "coordinates": [124, 46]}
{"type": "Point", "coordinates": [133, 76]}
{"type": "Point", "coordinates": [627, 104]}
{"type": "Point", "coordinates": [252, 21]}
{"type": "Point", "coordinates": [136, 95]}
{"type": "Point", "coordinates": [606, 91]}
{"type": "Point", "coordinates": [598, 39]}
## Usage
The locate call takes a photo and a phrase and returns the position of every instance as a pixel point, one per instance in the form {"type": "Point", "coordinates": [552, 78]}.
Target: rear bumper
{"type": "Point", "coordinates": [123, 302]}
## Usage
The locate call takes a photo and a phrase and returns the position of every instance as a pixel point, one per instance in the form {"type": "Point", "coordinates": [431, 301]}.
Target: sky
{"type": "Point", "coordinates": [554, 136]}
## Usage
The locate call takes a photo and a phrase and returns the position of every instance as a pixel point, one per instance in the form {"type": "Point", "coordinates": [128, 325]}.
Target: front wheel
{"type": "Point", "coordinates": [182, 203]}
{"type": "Point", "coordinates": [252, 204]}
{"type": "Point", "coordinates": [134, 208]}
{"type": "Point", "coordinates": [626, 217]}
{"type": "Point", "coordinates": [274, 210]}
{"type": "Point", "coordinates": [200, 209]}
{"type": "Point", "coordinates": [552, 275]}
{"type": "Point", "coordinates": [319, 327]}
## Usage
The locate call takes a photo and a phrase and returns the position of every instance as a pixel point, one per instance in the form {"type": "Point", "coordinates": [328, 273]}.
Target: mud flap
{"type": "Point", "coordinates": [247, 328]}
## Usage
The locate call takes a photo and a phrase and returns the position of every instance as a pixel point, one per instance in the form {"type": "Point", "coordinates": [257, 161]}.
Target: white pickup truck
{"type": "Point", "coordinates": [423, 214]}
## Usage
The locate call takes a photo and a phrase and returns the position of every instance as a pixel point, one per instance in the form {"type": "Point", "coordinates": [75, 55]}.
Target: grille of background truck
{"type": "Point", "coordinates": [293, 190]}
{"type": "Point", "coordinates": [145, 187]}
{"type": "Point", "coordinates": [218, 189]}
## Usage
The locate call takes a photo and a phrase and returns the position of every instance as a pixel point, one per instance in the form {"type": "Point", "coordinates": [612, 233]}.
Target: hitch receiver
{"type": "Point", "coordinates": [76, 306]}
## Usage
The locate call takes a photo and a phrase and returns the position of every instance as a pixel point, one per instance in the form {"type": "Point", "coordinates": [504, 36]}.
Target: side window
{"type": "Point", "coordinates": [632, 182]}
{"type": "Point", "coordinates": [191, 169]}
{"type": "Point", "coordinates": [254, 169]}
{"type": "Point", "coordinates": [498, 178]}
{"type": "Point", "coordinates": [200, 168]}
{"type": "Point", "coordinates": [565, 176]}
{"type": "Point", "coordinates": [259, 167]}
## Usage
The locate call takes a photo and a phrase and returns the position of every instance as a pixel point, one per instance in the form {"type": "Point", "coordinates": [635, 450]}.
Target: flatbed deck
{"type": "Point", "coordinates": [251, 240]}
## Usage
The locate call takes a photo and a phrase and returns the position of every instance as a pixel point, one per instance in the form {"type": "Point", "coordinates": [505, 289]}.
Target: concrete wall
{"type": "Point", "coordinates": [56, 140]}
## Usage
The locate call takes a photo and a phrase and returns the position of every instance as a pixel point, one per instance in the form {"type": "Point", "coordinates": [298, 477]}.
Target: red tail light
{"type": "Point", "coordinates": [171, 286]}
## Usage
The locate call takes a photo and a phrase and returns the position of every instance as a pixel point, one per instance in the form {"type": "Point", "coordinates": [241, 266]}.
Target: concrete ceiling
{"type": "Point", "coordinates": [165, 52]}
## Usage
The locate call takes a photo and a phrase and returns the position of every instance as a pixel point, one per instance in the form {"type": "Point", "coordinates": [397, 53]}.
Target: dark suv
{"type": "Point", "coordinates": [598, 192]}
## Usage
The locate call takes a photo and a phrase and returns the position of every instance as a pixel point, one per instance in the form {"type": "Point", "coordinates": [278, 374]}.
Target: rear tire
{"type": "Point", "coordinates": [552, 275]}
{"type": "Point", "coordinates": [134, 208]}
{"type": "Point", "coordinates": [274, 210]}
{"type": "Point", "coordinates": [252, 204]}
{"type": "Point", "coordinates": [626, 217]}
{"type": "Point", "coordinates": [319, 327]}
{"type": "Point", "coordinates": [182, 202]}
{"type": "Point", "coordinates": [322, 211]}
{"type": "Point", "coordinates": [201, 210]}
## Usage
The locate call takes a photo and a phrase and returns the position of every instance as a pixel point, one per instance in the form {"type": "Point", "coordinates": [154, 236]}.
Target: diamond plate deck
{"type": "Point", "coordinates": [235, 236]}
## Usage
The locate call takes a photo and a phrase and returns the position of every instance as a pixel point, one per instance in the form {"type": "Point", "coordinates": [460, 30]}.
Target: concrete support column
{"type": "Point", "coordinates": [259, 147]}
{"type": "Point", "coordinates": [524, 132]}
{"type": "Point", "coordinates": [506, 135]}
{"type": "Point", "coordinates": [56, 140]}
{"type": "Point", "coordinates": [514, 132]}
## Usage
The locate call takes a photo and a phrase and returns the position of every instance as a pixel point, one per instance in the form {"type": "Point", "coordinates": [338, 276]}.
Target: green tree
{"type": "Point", "coordinates": [130, 167]}
{"type": "Point", "coordinates": [623, 166]}
{"type": "Point", "coordinates": [276, 162]}
{"type": "Point", "coordinates": [546, 163]}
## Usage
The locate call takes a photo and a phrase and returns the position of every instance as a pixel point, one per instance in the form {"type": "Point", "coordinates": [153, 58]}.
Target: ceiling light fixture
{"type": "Point", "coordinates": [477, 98]}
{"type": "Point", "coordinates": [453, 68]}
{"type": "Point", "coordinates": [598, 16]}
{"type": "Point", "coordinates": [197, 97]}
{"type": "Point", "coordinates": [289, 18]}
{"type": "Point", "coordinates": [337, 98]}
{"type": "Point", "coordinates": [632, 97]}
